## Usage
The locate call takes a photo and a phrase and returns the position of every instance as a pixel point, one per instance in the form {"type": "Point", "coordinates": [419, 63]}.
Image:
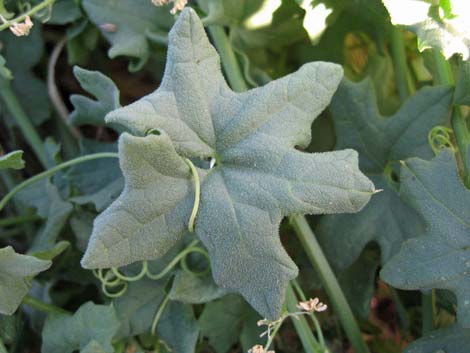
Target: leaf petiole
{"type": "Point", "coordinates": [197, 195]}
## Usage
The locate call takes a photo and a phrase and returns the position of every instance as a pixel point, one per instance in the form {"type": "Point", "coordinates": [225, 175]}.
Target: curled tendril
{"type": "Point", "coordinates": [440, 137]}
{"type": "Point", "coordinates": [113, 278]}
{"type": "Point", "coordinates": [184, 262]}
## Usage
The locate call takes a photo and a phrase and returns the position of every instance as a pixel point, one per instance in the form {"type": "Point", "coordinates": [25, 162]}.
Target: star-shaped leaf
{"type": "Point", "coordinates": [440, 258]}
{"type": "Point", "coordinates": [443, 26]}
{"type": "Point", "coordinates": [66, 333]}
{"type": "Point", "coordinates": [259, 176]}
{"type": "Point", "coordinates": [16, 271]}
{"type": "Point", "coordinates": [453, 339]}
{"type": "Point", "coordinates": [381, 143]}
{"type": "Point", "coordinates": [12, 160]}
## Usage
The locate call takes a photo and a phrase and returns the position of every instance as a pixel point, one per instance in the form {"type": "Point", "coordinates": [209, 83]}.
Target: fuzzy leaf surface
{"type": "Point", "coordinates": [16, 271]}
{"type": "Point", "coordinates": [440, 258]}
{"type": "Point", "coordinates": [381, 142]}
{"type": "Point", "coordinates": [259, 177]}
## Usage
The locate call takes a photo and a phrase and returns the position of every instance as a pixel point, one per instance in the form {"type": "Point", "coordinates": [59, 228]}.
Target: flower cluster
{"type": "Point", "coordinates": [312, 305]}
{"type": "Point", "coordinates": [178, 4]}
{"type": "Point", "coordinates": [258, 349]}
{"type": "Point", "coordinates": [22, 29]}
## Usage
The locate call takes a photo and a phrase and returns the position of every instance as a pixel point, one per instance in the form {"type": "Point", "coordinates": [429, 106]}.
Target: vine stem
{"type": "Point", "coordinates": [405, 86]}
{"type": "Point", "coordinates": [329, 281]}
{"type": "Point", "coordinates": [27, 128]}
{"type": "Point", "coordinates": [228, 59]}
{"type": "Point", "coordinates": [18, 220]}
{"type": "Point", "coordinates": [428, 304]}
{"type": "Point", "coordinates": [31, 12]}
{"type": "Point", "coordinates": [458, 121]}
{"type": "Point", "coordinates": [42, 306]}
{"type": "Point", "coordinates": [52, 171]}
{"type": "Point", "coordinates": [3, 349]}
{"type": "Point", "coordinates": [235, 78]}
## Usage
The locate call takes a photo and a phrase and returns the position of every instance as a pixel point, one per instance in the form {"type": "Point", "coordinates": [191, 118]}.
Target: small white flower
{"type": "Point", "coordinates": [312, 305]}
{"type": "Point", "coordinates": [22, 29]}
{"type": "Point", "coordinates": [258, 349]}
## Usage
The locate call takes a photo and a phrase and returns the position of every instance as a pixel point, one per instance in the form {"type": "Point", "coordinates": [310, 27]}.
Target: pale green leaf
{"type": "Point", "coordinates": [259, 177]}
{"type": "Point", "coordinates": [66, 333]}
{"type": "Point", "coordinates": [441, 257]}
{"type": "Point", "coordinates": [454, 339]}
{"type": "Point", "coordinates": [89, 111]}
{"type": "Point", "coordinates": [126, 24]}
{"type": "Point", "coordinates": [16, 272]}
{"type": "Point", "coordinates": [13, 160]}
{"type": "Point", "coordinates": [381, 142]}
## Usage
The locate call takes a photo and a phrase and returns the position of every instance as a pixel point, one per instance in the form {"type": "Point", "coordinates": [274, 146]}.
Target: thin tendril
{"type": "Point", "coordinates": [173, 262]}
{"type": "Point", "coordinates": [116, 294]}
{"type": "Point", "coordinates": [439, 137]}
{"type": "Point", "coordinates": [184, 263]}
{"type": "Point", "coordinates": [131, 278]}
{"type": "Point", "coordinates": [197, 195]}
{"type": "Point", "coordinates": [159, 314]}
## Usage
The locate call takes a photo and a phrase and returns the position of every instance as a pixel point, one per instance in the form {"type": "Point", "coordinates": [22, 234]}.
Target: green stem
{"type": "Point", "coordinates": [302, 296]}
{"type": "Point", "coordinates": [329, 281]}
{"type": "Point", "coordinates": [458, 120]}
{"type": "Point", "coordinates": [427, 307]}
{"type": "Point", "coordinates": [273, 334]}
{"type": "Point", "coordinates": [18, 220]}
{"type": "Point", "coordinates": [52, 171]}
{"type": "Point", "coordinates": [31, 12]}
{"type": "Point", "coordinates": [42, 306]}
{"type": "Point", "coordinates": [228, 58]}
{"type": "Point", "coordinates": [11, 232]}
{"type": "Point", "coordinates": [3, 349]}
{"type": "Point", "coordinates": [405, 86]}
{"type": "Point", "coordinates": [306, 336]}
{"type": "Point", "coordinates": [27, 128]}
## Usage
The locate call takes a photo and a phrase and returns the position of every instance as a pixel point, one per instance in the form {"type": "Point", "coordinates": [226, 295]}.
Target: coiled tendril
{"type": "Point", "coordinates": [440, 137]}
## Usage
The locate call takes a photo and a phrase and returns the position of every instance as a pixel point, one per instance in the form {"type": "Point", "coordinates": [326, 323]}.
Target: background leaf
{"type": "Point", "coordinates": [65, 333]}
{"type": "Point", "coordinates": [440, 258]}
{"type": "Point", "coordinates": [16, 272]}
